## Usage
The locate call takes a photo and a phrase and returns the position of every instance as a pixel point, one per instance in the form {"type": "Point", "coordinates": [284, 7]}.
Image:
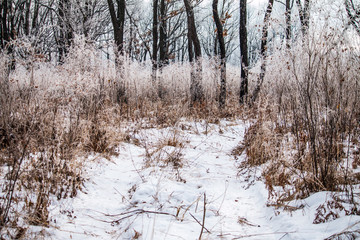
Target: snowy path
{"type": "Point", "coordinates": [130, 198]}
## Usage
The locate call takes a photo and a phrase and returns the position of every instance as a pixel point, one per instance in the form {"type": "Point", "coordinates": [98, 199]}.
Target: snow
{"type": "Point", "coordinates": [140, 194]}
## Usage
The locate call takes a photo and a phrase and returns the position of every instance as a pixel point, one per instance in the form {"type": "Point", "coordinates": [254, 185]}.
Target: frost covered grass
{"type": "Point", "coordinates": [170, 167]}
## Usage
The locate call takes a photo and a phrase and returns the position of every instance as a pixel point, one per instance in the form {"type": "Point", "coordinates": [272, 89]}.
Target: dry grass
{"type": "Point", "coordinates": [306, 133]}
{"type": "Point", "coordinates": [53, 115]}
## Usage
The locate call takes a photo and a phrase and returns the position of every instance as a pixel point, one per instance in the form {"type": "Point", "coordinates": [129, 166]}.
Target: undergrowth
{"type": "Point", "coordinates": [306, 132]}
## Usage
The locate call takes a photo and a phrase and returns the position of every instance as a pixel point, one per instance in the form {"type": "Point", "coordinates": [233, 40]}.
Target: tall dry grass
{"type": "Point", "coordinates": [52, 115]}
{"type": "Point", "coordinates": [307, 129]}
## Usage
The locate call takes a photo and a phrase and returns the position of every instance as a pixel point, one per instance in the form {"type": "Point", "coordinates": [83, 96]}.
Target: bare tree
{"type": "Point", "coordinates": [220, 37]}
{"type": "Point", "coordinates": [66, 31]}
{"type": "Point", "coordinates": [118, 22]}
{"type": "Point", "coordinates": [263, 49]}
{"type": "Point", "coordinates": [194, 44]}
{"type": "Point", "coordinates": [288, 23]}
{"type": "Point", "coordinates": [163, 44]}
{"type": "Point", "coordinates": [244, 58]}
{"type": "Point", "coordinates": [353, 12]}
{"type": "Point", "coordinates": [155, 40]}
{"type": "Point", "coordinates": [304, 15]}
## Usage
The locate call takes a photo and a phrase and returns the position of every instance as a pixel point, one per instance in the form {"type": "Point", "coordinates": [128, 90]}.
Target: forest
{"type": "Point", "coordinates": [260, 95]}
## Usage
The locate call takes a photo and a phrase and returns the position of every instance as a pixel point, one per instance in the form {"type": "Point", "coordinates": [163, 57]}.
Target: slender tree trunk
{"type": "Point", "coordinates": [5, 35]}
{"type": "Point", "coordinates": [263, 49]}
{"type": "Point", "coordinates": [66, 34]}
{"type": "Point", "coordinates": [163, 37]}
{"type": "Point", "coordinates": [155, 41]}
{"type": "Point", "coordinates": [243, 51]}
{"type": "Point", "coordinates": [35, 17]}
{"type": "Point", "coordinates": [163, 45]}
{"type": "Point", "coordinates": [196, 89]}
{"type": "Point", "coordinates": [288, 23]}
{"type": "Point", "coordinates": [353, 13]}
{"type": "Point", "coordinates": [220, 37]}
{"type": "Point", "coordinates": [118, 22]}
{"type": "Point", "coordinates": [304, 15]}
{"type": "Point", "coordinates": [27, 18]}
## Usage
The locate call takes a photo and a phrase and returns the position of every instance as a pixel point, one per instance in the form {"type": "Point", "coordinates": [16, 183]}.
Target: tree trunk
{"type": "Point", "coordinates": [304, 15]}
{"type": "Point", "coordinates": [155, 41]}
{"type": "Point", "coordinates": [118, 22]}
{"type": "Point", "coordinates": [263, 49]}
{"type": "Point", "coordinates": [196, 89]}
{"type": "Point", "coordinates": [243, 51]}
{"type": "Point", "coordinates": [288, 23]}
{"type": "Point", "coordinates": [353, 13]}
{"type": "Point", "coordinates": [66, 34]}
{"type": "Point", "coordinates": [27, 18]}
{"type": "Point", "coordinates": [5, 35]}
{"type": "Point", "coordinates": [220, 37]}
{"type": "Point", "coordinates": [163, 37]}
{"type": "Point", "coordinates": [163, 45]}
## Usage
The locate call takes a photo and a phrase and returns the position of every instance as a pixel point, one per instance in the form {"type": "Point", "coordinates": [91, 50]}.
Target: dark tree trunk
{"type": "Point", "coordinates": [66, 34]}
{"type": "Point", "coordinates": [220, 38]}
{"type": "Point", "coordinates": [304, 15]}
{"type": "Point", "coordinates": [243, 51]}
{"type": "Point", "coordinates": [263, 49]}
{"type": "Point", "coordinates": [155, 40]}
{"type": "Point", "coordinates": [288, 23]}
{"type": "Point", "coordinates": [196, 90]}
{"type": "Point", "coordinates": [27, 18]}
{"type": "Point", "coordinates": [353, 13]}
{"type": "Point", "coordinates": [163, 45]}
{"type": "Point", "coordinates": [118, 22]}
{"type": "Point", "coordinates": [163, 36]}
{"type": "Point", "coordinates": [5, 34]}
{"type": "Point", "coordinates": [35, 16]}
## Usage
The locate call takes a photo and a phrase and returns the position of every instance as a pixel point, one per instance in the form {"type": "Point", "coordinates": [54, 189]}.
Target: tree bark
{"type": "Point", "coordinates": [163, 36]}
{"type": "Point", "coordinates": [243, 52]}
{"type": "Point", "coordinates": [263, 49]}
{"type": "Point", "coordinates": [66, 34]}
{"type": "Point", "coordinates": [304, 15]}
{"type": "Point", "coordinates": [155, 40]}
{"type": "Point", "coordinates": [27, 18]}
{"type": "Point", "coordinates": [118, 22]}
{"type": "Point", "coordinates": [353, 15]}
{"type": "Point", "coordinates": [220, 37]}
{"type": "Point", "coordinates": [196, 89]}
{"type": "Point", "coordinates": [288, 23]}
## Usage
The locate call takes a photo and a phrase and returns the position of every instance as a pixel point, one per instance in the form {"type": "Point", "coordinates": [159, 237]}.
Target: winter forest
{"type": "Point", "coordinates": [180, 119]}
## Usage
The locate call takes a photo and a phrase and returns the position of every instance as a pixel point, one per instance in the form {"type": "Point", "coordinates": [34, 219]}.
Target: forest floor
{"type": "Point", "coordinates": [184, 182]}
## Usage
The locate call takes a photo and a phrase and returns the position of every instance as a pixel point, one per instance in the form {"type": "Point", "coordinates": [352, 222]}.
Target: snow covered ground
{"type": "Point", "coordinates": [166, 183]}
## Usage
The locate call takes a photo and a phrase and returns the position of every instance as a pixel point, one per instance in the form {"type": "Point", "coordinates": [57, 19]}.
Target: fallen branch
{"type": "Point", "coordinates": [261, 234]}
{"type": "Point", "coordinates": [135, 212]}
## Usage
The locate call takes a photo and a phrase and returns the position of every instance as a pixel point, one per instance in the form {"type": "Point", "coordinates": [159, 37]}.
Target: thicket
{"type": "Point", "coordinates": [53, 115]}
{"type": "Point", "coordinates": [306, 134]}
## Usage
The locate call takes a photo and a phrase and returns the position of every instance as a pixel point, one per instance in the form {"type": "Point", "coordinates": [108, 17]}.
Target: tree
{"type": "Point", "coordinates": [353, 12]}
{"type": "Point", "coordinates": [244, 59]}
{"type": "Point", "coordinates": [118, 23]}
{"type": "Point", "coordinates": [220, 37]}
{"type": "Point", "coordinates": [163, 44]}
{"type": "Point", "coordinates": [66, 32]}
{"type": "Point", "coordinates": [155, 40]}
{"type": "Point", "coordinates": [194, 44]}
{"type": "Point", "coordinates": [288, 23]}
{"type": "Point", "coordinates": [263, 49]}
{"type": "Point", "coordinates": [304, 15]}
